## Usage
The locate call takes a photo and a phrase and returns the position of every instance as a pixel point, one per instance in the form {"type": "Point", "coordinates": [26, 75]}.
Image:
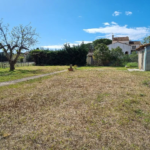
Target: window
{"type": "Point", "coordinates": [126, 53]}
{"type": "Point", "coordinates": [133, 47]}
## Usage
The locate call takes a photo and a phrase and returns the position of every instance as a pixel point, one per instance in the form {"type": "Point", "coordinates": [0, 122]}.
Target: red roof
{"type": "Point", "coordinates": [121, 38]}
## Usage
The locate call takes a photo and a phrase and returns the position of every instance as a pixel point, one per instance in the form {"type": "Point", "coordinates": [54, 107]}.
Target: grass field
{"type": "Point", "coordinates": [26, 71]}
{"type": "Point", "coordinates": [88, 109]}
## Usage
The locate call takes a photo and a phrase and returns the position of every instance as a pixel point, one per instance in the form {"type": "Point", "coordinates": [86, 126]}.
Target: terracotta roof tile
{"type": "Point", "coordinates": [121, 38]}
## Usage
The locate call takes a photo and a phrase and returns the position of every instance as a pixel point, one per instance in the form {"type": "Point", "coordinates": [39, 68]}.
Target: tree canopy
{"type": "Point", "coordinates": [146, 40]}
{"type": "Point", "coordinates": [20, 38]}
{"type": "Point", "coordinates": [102, 41]}
{"type": "Point", "coordinates": [101, 54]}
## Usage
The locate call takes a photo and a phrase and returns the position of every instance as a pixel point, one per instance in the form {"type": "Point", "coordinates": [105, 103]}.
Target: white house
{"type": "Point", "coordinates": [124, 43]}
{"type": "Point", "coordinates": [125, 47]}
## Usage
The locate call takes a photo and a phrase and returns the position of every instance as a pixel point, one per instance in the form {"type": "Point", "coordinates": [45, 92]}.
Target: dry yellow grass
{"type": "Point", "coordinates": [86, 109]}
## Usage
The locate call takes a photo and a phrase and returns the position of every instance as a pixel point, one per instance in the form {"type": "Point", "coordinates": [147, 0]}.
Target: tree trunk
{"type": "Point", "coordinates": [12, 66]}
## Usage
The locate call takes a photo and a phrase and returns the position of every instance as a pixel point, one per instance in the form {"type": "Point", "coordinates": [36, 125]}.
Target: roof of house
{"type": "Point", "coordinates": [120, 43]}
{"type": "Point", "coordinates": [135, 42]}
{"type": "Point", "coordinates": [142, 46]}
{"type": "Point", "coordinates": [121, 38]}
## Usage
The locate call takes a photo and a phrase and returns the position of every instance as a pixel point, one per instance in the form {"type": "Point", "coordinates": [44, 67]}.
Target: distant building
{"type": "Point", "coordinates": [144, 57]}
{"type": "Point", "coordinates": [125, 44]}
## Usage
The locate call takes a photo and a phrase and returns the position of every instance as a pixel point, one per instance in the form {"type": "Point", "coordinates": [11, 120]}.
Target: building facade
{"type": "Point", "coordinates": [144, 57]}
{"type": "Point", "coordinates": [125, 44]}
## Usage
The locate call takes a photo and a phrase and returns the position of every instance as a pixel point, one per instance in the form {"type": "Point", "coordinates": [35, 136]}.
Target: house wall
{"type": "Point", "coordinates": [125, 42]}
{"type": "Point", "coordinates": [135, 45]}
{"type": "Point", "coordinates": [89, 60]}
{"type": "Point", "coordinates": [124, 47]}
{"type": "Point", "coordinates": [141, 59]}
{"type": "Point", "coordinates": [147, 61]}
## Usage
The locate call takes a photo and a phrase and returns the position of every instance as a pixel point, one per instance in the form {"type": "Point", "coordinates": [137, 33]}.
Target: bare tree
{"type": "Point", "coordinates": [19, 39]}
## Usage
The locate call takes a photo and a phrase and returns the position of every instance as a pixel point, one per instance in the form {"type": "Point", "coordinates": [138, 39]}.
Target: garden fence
{"type": "Point", "coordinates": [19, 64]}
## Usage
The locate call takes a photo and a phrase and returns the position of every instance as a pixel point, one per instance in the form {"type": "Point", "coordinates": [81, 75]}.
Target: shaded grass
{"type": "Point", "coordinates": [22, 72]}
{"type": "Point", "coordinates": [84, 109]}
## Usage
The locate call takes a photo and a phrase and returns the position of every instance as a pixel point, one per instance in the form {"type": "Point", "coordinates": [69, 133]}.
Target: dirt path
{"type": "Point", "coordinates": [28, 78]}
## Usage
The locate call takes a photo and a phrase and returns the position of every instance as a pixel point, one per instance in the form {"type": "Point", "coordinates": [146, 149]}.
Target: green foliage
{"type": "Point", "coordinates": [146, 40]}
{"type": "Point", "coordinates": [3, 57]}
{"type": "Point", "coordinates": [102, 41]}
{"type": "Point", "coordinates": [126, 59]}
{"type": "Point", "coordinates": [132, 65]}
{"type": "Point", "coordinates": [134, 57]}
{"type": "Point", "coordinates": [116, 56]}
{"type": "Point", "coordinates": [21, 58]}
{"type": "Point", "coordinates": [101, 54]}
{"type": "Point", "coordinates": [75, 55]}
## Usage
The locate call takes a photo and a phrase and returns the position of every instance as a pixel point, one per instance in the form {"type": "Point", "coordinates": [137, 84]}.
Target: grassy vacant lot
{"type": "Point", "coordinates": [93, 108]}
{"type": "Point", "coordinates": [26, 71]}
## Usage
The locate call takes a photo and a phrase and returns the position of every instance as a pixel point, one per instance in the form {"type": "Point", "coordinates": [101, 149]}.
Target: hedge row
{"type": "Point", "coordinates": [75, 55]}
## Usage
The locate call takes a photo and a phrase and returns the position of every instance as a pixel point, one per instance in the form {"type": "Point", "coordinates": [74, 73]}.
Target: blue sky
{"type": "Point", "coordinates": [74, 21]}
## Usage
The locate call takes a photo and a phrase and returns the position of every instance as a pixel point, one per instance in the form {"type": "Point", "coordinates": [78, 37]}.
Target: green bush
{"type": "Point", "coordinates": [75, 55]}
{"type": "Point", "coordinates": [132, 65]}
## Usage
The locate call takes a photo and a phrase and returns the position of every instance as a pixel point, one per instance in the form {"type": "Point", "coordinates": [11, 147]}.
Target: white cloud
{"type": "Point", "coordinates": [116, 13]}
{"type": "Point", "coordinates": [106, 24]}
{"type": "Point", "coordinates": [128, 13]}
{"type": "Point", "coordinates": [113, 22]}
{"type": "Point", "coordinates": [135, 33]}
{"type": "Point", "coordinates": [60, 46]}
{"type": "Point", "coordinates": [53, 47]}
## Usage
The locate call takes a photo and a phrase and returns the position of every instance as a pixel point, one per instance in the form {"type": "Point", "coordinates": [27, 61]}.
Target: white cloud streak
{"type": "Point", "coordinates": [106, 24]}
{"type": "Point", "coordinates": [60, 46]}
{"type": "Point", "coordinates": [116, 13]}
{"type": "Point", "coordinates": [128, 13]}
{"type": "Point", "coordinates": [136, 33]}
{"type": "Point", "coordinates": [113, 23]}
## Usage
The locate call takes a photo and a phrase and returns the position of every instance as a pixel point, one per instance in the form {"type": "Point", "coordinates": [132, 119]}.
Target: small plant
{"type": "Point", "coordinates": [142, 95]}
{"type": "Point", "coordinates": [147, 83]}
{"type": "Point", "coordinates": [138, 112]}
{"type": "Point", "coordinates": [75, 66]}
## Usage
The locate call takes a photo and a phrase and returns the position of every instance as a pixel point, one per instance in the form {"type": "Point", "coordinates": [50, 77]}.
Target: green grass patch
{"type": "Point", "coordinates": [27, 71]}
{"type": "Point", "coordinates": [132, 65]}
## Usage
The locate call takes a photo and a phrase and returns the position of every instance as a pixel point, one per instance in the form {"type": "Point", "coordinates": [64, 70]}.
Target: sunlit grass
{"type": "Point", "coordinates": [85, 109]}
{"type": "Point", "coordinates": [26, 71]}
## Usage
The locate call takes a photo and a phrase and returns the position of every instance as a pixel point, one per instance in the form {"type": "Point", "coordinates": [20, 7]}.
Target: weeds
{"type": "Point", "coordinates": [86, 109]}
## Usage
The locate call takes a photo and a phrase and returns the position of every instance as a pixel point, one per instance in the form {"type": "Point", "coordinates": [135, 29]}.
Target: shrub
{"type": "Point", "coordinates": [132, 65]}
{"type": "Point", "coordinates": [75, 55]}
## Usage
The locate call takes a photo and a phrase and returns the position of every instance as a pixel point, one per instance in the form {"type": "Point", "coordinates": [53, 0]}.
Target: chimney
{"type": "Point", "coordinates": [112, 37]}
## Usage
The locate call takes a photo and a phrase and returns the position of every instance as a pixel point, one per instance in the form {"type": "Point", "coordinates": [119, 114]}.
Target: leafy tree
{"type": "Point", "coordinates": [134, 57]}
{"type": "Point", "coordinates": [146, 40]}
{"type": "Point", "coordinates": [19, 39]}
{"type": "Point", "coordinates": [103, 41]}
{"type": "Point", "coordinates": [116, 56]}
{"type": "Point", "coordinates": [102, 54]}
